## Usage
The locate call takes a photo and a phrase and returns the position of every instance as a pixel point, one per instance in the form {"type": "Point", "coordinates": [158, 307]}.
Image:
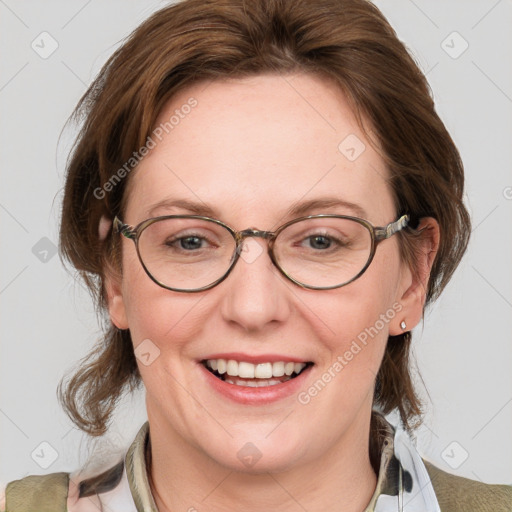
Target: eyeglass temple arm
{"type": "Point", "coordinates": [122, 228]}
{"type": "Point", "coordinates": [392, 228]}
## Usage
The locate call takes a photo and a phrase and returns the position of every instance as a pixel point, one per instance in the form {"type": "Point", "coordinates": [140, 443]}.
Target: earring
{"type": "Point", "coordinates": [403, 325]}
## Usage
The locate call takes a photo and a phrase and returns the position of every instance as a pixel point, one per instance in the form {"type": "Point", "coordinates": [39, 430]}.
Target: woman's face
{"type": "Point", "coordinates": [250, 150]}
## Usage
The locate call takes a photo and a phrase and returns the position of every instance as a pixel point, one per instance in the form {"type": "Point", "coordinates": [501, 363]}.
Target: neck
{"type": "Point", "coordinates": [182, 478]}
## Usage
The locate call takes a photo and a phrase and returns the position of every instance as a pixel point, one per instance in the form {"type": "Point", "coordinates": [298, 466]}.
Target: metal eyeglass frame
{"type": "Point", "coordinates": [378, 234]}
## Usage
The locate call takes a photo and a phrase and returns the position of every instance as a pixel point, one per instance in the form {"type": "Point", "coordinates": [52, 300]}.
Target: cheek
{"type": "Point", "coordinates": [155, 313]}
{"type": "Point", "coordinates": [164, 328]}
{"type": "Point", "coordinates": [354, 321]}
{"type": "Point", "coordinates": [368, 302]}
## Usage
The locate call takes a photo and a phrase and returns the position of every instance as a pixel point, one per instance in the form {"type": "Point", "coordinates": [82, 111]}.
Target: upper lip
{"type": "Point", "coordinates": [256, 358]}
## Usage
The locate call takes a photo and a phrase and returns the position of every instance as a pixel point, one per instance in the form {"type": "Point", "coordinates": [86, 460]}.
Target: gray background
{"type": "Point", "coordinates": [464, 347]}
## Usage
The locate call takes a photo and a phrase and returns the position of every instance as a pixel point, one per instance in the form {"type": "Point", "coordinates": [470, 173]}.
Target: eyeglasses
{"type": "Point", "coordinates": [192, 253]}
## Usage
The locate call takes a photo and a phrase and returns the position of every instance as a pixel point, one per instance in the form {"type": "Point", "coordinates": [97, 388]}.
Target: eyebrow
{"type": "Point", "coordinates": [195, 208]}
{"type": "Point", "coordinates": [300, 209]}
{"type": "Point", "coordinates": [325, 203]}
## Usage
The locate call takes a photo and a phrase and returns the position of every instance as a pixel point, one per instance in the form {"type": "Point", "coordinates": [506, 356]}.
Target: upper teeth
{"type": "Point", "coordinates": [247, 370]}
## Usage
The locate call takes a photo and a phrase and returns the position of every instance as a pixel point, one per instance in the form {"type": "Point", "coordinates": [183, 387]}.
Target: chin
{"type": "Point", "coordinates": [260, 453]}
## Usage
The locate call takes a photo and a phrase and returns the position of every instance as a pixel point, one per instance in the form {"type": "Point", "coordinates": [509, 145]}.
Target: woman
{"type": "Point", "coordinates": [264, 200]}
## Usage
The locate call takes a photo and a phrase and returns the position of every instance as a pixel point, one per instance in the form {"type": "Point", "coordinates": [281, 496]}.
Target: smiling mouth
{"type": "Point", "coordinates": [242, 373]}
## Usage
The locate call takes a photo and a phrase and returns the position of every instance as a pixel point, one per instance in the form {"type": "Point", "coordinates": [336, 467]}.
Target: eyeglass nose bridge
{"type": "Point", "coordinates": [240, 236]}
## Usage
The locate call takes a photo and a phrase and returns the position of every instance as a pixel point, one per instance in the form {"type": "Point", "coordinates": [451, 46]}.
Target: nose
{"type": "Point", "coordinates": [255, 295]}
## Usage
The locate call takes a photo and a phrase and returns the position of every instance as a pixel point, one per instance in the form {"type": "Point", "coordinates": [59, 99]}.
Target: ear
{"type": "Point", "coordinates": [116, 306]}
{"type": "Point", "coordinates": [412, 289]}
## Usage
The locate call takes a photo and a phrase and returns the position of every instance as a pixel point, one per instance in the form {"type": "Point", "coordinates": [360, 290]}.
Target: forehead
{"type": "Point", "coordinates": [253, 147]}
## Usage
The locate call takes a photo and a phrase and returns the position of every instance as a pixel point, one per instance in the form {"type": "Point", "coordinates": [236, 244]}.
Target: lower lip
{"type": "Point", "coordinates": [256, 396]}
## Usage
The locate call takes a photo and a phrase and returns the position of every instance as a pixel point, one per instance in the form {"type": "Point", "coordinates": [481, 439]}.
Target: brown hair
{"type": "Point", "coordinates": [348, 41]}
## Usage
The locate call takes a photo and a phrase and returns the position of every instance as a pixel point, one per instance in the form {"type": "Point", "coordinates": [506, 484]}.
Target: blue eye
{"type": "Point", "coordinates": [319, 242]}
{"type": "Point", "coordinates": [190, 242]}
{"type": "Point", "coordinates": [187, 243]}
